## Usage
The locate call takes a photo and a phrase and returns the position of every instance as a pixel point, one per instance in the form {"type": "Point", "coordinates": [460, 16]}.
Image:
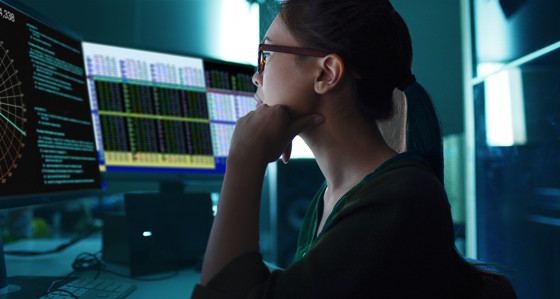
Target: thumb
{"type": "Point", "coordinates": [287, 153]}
{"type": "Point", "coordinates": [306, 122]}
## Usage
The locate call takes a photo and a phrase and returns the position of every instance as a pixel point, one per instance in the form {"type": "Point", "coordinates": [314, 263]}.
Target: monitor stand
{"type": "Point", "coordinates": [5, 287]}
{"type": "Point", "coordinates": [190, 186]}
{"type": "Point", "coordinates": [171, 187]}
{"type": "Point", "coordinates": [22, 286]}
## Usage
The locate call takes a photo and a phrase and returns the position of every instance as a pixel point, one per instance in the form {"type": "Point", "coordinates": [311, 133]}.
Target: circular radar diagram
{"type": "Point", "coordinates": [12, 116]}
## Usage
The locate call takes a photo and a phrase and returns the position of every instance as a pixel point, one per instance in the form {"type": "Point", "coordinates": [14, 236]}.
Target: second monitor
{"type": "Point", "coordinates": [162, 113]}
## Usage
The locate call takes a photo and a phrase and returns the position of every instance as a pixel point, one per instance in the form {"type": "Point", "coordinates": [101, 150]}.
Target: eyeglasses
{"type": "Point", "coordinates": [285, 49]}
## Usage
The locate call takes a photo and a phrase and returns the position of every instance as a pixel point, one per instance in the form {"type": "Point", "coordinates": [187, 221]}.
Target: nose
{"type": "Point", "coordinates": [257, 79]}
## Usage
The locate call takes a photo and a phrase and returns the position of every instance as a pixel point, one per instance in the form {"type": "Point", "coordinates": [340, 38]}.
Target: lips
{"type": "Point", "coordinates": [259, 101]}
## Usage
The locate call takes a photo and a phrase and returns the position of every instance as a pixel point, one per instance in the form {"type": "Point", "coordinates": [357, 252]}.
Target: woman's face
{"type": "Point", "coordinates": [285, 80]}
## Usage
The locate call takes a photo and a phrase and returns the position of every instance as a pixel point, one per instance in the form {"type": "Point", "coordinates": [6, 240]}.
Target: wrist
{"type": "Point", "coordinates": [244, 163]}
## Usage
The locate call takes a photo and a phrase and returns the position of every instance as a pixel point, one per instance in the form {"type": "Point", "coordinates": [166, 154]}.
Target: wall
{"type": "Point", "coordinates": [435, 27]}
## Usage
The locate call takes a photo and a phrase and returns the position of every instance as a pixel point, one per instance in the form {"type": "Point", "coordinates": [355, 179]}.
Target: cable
{"type": "Point", "coordinates": [60, 248]}
{"type": "Point", "coordinates": [87, 261]}
{"type": "Point", "coordinates": [90, 261]}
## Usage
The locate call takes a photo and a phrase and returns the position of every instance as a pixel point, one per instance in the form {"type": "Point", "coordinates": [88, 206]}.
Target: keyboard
{"type": "Point", "coordinates": [87, 288]}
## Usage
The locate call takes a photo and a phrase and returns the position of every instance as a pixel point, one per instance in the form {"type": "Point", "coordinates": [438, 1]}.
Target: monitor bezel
{"type": "Point", "coordinates": [24, 200]}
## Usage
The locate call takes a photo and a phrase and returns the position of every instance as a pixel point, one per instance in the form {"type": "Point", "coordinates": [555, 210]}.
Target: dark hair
{"type": "Point", "coordinates": [369, 35]}
{"type": "Point", "coordinates": [423, 134]}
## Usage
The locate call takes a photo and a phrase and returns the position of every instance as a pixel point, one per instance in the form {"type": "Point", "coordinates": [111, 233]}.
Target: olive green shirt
{"type": "Point", "coordinates": [391, 236]}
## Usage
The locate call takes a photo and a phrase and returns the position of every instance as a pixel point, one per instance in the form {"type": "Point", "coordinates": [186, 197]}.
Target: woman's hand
{"type": "Point", "coordinates": [267, 132]}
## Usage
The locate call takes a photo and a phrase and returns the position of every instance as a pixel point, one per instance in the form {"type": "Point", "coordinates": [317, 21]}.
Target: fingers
{"type": "Point", "coordinates": [299, 126]}
{"type": "Point", "coordinates": [287, 153]}
{"type": "Point", "coordinates": [266, 133]}
{"type": "Point", "coordinates": [295, 125]}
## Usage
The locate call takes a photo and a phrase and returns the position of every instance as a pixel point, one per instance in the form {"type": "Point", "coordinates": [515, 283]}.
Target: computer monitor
{"type": "Point", "coordinates": [47, 144]}
{"type": "Point", "coordinates": [163, 116]}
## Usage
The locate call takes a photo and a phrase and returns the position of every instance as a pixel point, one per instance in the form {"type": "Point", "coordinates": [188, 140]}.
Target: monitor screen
{"type": "Point", "coordinates": [164, 113]}
{"type": "Point", "coordinates": [47, 143]}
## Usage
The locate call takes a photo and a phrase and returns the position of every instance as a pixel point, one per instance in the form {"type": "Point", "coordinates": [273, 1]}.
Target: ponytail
{"type": "Point", "coordinates": [423, 134]}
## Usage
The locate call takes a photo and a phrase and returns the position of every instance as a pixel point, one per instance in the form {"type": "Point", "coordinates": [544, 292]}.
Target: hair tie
{"type": "Point", "coordinates": [407, 82]}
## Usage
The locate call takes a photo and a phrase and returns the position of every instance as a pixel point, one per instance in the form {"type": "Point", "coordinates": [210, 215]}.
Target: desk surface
{"type": "Point", "coordinates": [60, 264]}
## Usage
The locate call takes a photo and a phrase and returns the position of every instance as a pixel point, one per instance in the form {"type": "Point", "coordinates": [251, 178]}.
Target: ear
{"type": "Point", "coordinates": [330, 73]}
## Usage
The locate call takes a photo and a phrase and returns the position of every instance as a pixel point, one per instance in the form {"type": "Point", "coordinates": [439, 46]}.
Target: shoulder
{"type": "Point", "coordinates": [406, 189]}
{"type": "Point", "coordinates": [404, 175]}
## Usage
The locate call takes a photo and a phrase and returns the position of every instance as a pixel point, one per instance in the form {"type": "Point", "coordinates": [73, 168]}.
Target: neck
{"type": "Point", "coordinates": [347, 147]}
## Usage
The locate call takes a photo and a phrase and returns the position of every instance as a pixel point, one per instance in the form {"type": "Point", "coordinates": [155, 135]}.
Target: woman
{"type": "Point", "coordinates": [380, 226]}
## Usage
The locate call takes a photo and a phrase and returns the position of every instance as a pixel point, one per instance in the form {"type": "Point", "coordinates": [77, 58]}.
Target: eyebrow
{"type": "Point", "coordinates": [266, 38]}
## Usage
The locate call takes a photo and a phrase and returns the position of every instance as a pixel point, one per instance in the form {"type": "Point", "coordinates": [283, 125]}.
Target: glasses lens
{"type": "Point", "coordinates": [260, 62]}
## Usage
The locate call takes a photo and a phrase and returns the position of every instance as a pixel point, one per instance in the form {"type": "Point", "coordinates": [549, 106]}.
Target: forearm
{"type": "Point", "coordinates": [259, 138]}
{"type": "Point", "coordinates": [235, 230]}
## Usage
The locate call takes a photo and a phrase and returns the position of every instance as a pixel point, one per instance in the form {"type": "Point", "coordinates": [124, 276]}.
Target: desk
{"type": "Point", "coordinates": [60, 264]}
